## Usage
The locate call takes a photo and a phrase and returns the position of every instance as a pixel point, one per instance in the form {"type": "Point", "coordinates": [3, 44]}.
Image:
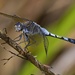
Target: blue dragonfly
{"type": "Point", "coordinates": [29, 28]}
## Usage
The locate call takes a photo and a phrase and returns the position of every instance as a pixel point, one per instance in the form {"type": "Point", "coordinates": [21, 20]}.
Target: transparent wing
{"type": "Point", "coordinates": [46, 44]}
{"type": "Point", "coordinates": [14, 17]}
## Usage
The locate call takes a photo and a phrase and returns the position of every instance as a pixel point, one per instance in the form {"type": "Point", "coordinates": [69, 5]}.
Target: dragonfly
{"type": "Point", "coordinates": [29, 28]}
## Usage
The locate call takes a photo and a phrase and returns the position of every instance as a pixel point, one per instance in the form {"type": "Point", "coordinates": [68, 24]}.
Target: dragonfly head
{"type": "Point", "coordinates": [18, 26]}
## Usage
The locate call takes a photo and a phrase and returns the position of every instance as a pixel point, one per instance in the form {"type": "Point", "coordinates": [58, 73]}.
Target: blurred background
{"type": "Point", "coordinates": [58, 17]}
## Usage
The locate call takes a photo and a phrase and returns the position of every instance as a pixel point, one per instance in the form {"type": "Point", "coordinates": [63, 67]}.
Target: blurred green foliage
{"type": "Point", "coordinates": [62, 27]}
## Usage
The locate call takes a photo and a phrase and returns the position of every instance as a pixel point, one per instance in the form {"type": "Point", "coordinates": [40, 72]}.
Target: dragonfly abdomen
{"type": "Point", "coordinates": [68, 39]}
{"type": "Point", "coordinates": [63, 38]}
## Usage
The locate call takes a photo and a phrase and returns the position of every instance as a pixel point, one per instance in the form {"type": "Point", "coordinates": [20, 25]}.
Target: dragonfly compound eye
{"type": "Point", "coordinates": [18, 26]}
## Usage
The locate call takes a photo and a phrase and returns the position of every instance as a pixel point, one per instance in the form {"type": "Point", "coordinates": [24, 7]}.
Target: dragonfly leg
{"type": "Point", "coordinates": [4, 31]}
{"type": "Point", "coordinates": [29, 42]}
{"type": "Point", "coordinates": [21, 42]}
{"type": "Point", "coordinates": [18, 38]}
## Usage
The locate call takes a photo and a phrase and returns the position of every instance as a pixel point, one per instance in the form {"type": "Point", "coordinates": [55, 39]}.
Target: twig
{"type": "Point", "coordinates": [26, 54]}
{"type": "Point", "coordinates": [7, 60]}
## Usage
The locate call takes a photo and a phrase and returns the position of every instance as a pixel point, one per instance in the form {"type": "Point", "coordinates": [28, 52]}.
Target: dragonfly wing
{"type": "Point", "coordinates": [14, 17]}
{"type": "Point", "coordinates": [46, 44]}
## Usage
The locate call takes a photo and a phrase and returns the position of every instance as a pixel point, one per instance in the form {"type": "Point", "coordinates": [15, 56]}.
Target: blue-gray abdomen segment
{"type": "Point", "coordinates": [44, 31]}
{"type": "Point", "coordinates": [63, 38]}
{"type": "Point", "coordinates": [69, 40]}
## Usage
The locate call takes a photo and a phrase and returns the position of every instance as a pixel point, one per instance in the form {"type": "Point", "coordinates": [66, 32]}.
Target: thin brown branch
{"type": "Point", "coordinates": [26, 54]}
